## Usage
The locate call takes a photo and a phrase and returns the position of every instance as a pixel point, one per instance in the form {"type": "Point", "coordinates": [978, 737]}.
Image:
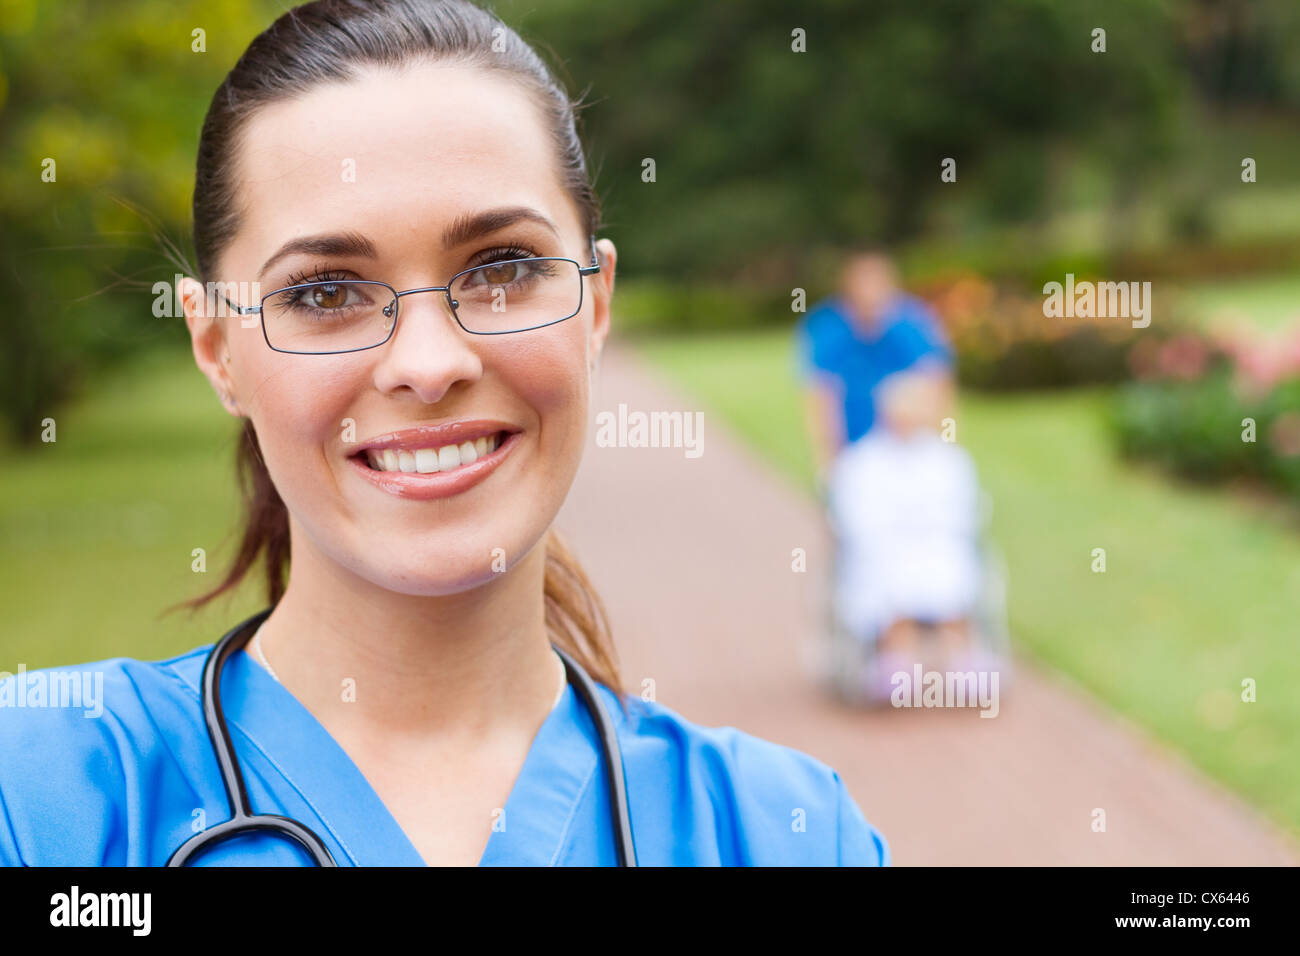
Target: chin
{"type": "Point", "coordinates": [438, 568]}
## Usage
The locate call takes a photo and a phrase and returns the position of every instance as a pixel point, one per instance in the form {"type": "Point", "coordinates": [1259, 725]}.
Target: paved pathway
{"type": "Point", "coordinates": [693, 560]}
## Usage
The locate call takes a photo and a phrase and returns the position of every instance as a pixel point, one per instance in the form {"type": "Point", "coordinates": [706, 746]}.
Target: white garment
{"type": "Point", "coordinates": [905, 511]}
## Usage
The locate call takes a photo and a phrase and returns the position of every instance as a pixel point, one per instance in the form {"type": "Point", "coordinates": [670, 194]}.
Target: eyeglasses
{"type": "Point", "coordinates": [350, 315]}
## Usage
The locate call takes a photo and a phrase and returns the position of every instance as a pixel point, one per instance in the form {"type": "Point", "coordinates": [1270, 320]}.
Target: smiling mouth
{"type": "Point", "coordinates": [441, 458]}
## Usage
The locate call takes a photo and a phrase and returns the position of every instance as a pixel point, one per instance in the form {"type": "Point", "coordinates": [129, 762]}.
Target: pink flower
{"type": "Point", "coordinates": [1289, 352]}
{"type": "Point", "coordinates": [1258, 370]}
{"type": "Point", "coordinates": [1142, 359]}
{"type": "Point", "coordinates": [1183, 357]}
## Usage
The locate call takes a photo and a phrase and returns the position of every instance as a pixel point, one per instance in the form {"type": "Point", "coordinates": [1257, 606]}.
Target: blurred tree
{"type": "Point", "coordinates": [763, 154]}
{"type": "Point", "coordinates": [100, 110]}
{"type": "Point", "coordinates": [1242, 51]}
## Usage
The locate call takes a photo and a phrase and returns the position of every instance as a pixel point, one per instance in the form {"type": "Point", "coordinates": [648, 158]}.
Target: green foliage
{"type": "Point", "coordinates": [114, 94]}
{"type": "Point", "coordinates": [1084, 356]}
{"type": "Point", "coordinates": [1004, 342]}
{"type": "Point", "coordinates": [767, 160]}
{"type": "Point", "coordinates": [1195, 429]}
{"type": "Point", "coordinates": [654, 305]}
{"type": "Point", "coordinates": [765, 152]}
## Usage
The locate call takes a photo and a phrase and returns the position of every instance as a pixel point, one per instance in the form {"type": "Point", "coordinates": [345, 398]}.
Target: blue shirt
{"type": "Point", "coordinates": [833, 349]}
{"type": "Point", "coordinates": [127, 787]}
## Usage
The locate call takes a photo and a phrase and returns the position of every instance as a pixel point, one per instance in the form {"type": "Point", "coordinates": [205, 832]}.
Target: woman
{"type": "Point", "coordinates": [412, 302]}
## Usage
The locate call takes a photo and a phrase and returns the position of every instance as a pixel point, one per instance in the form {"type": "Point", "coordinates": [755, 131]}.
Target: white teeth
{"type": "Point", "coordinates": [426, 460]}
{"type": "Point", "coordinates": [429, 460]}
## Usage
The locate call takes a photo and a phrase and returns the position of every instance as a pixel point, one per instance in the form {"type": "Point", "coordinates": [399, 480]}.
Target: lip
{"type": "Point", "coordinates": [420, 486]}
{"type": "Point", "coordinates": [434, 436]}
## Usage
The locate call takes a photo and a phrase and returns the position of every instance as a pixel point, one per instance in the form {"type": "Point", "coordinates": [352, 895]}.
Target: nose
{"type": "Point", "coordinates": [429, 352]}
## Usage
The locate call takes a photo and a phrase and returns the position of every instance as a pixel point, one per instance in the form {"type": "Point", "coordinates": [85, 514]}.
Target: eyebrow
{"type": "Point", "coordinates": [461, 230]}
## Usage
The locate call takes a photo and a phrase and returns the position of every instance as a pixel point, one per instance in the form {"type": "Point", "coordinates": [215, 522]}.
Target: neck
{"type": "Point", "coordinates": [864, 321]}
{"type": "Point", "coordinates": [451, 667]}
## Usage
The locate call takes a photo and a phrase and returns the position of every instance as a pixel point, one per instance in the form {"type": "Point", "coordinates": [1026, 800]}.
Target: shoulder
{"type": "Point", "coordinates": [914, 315]}
{"type": "Point", "coordinates": [825, 318]}
{"type": "Point", "coordinates": [875, 443]}
{"type": "Point", "coordinates": [759, 802]}
{"type": "Point", "coordinates": [823, 336]}
{"type": "Point", "coordinates": [949, 463]}
{"type": "Point", "coordinates": [77, 742]}
{"type": "Point", "coordinates": [953, 456]}
{"type": "Point", "coordinates": [915, 309]}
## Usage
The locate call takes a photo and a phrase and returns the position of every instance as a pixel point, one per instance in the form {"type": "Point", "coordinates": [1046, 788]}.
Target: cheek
{"type": "Point", "coordinates": [549, 374]}
{"type": "Point", "coordinates": [298, 408]}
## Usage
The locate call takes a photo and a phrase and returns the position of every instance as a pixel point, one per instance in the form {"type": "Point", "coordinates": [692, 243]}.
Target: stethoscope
{"type": "Point", "coordinates": [244, 821]}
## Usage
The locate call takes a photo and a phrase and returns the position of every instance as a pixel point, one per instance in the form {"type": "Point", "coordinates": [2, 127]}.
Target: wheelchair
{"type": "Point", "coordinates": [850, 668]}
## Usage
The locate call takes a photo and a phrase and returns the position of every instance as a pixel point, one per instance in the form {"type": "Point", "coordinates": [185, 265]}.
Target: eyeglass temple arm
{"type": "Point", "coordinates": [595, 262]}
{"type": "Point", "coordinates": [243, 309]}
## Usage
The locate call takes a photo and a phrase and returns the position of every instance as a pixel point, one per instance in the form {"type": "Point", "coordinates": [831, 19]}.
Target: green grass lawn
{"type": "Point", "coordinates": [99, 526]}
{"type": "Point", "coordinates": [1269, 302]}
{"type": "Point", "coordinates": [1200, 590]}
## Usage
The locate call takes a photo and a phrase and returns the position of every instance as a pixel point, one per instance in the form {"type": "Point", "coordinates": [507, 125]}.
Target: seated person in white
{"type": "Point", "coordinates": [904, 505]}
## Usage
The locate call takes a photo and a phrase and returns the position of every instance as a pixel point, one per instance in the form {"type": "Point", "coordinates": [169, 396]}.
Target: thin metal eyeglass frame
{"type": "Point", "coordinates": [445, 289]}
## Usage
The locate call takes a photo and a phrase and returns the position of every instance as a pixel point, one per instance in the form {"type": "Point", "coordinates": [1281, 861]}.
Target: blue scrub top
{"type": "Point", "coordinates": [831, 347]}
{"type": "Point", "coordinates": [129, 786]}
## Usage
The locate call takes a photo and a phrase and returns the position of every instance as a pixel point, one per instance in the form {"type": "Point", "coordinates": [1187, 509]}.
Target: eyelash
{"type": "Point", "coordinates": [321, 273]}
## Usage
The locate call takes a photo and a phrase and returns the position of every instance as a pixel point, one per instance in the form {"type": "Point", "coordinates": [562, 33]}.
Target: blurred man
{"type": "Point", "coordinates": [852, 341]}
{"type": "Point", "coordinates": [902, 499]}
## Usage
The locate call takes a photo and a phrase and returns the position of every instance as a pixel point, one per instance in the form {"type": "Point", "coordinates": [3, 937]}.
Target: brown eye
{"type": "Point", "coordinates": [501, 274]}
{"type": "Point", "coordinates": [329, 296]}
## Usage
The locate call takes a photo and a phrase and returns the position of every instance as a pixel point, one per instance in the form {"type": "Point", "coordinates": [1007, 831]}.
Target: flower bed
{"type": "Point", "coordinates": [1216, 406]}
{"type": "Point", "coordinates": [1005, 342]}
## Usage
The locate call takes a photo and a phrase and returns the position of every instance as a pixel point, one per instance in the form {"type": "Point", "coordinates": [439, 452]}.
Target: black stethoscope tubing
{"type": "Point", "coordinates": [243, 820]}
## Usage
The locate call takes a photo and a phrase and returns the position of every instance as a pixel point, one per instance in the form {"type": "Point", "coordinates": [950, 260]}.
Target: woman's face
{"type": "Point", "coordinates": [398, 160]}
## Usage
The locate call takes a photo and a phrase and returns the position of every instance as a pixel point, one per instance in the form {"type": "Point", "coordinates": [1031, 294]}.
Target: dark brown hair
{"type": "Point", "coordinates": [327, 41]}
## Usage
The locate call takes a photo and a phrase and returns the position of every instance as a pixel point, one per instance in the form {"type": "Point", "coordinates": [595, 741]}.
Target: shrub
{"type": "Point", "coordinates": [1003, 341]}
{"type": "Point", "coordinates": [1214, 407]}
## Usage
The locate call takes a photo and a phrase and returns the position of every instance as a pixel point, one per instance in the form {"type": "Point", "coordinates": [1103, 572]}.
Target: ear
{"type": "Point", "coordinates": [208, 341]}
{"type": "Point", "coordinates": [603, 287]}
